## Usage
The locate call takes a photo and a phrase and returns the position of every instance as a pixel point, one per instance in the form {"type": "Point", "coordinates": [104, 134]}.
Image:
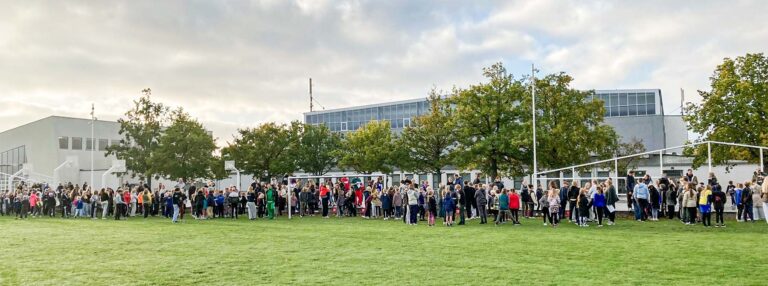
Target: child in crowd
{"type": "Point", "coordinates": [431, 207]}
{"type": "Point", "coordinates": [583, 202]}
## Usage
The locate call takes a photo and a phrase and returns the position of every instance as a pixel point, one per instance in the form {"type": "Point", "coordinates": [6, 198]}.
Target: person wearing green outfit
{"type": "Point", "coordinates": [271, 203]}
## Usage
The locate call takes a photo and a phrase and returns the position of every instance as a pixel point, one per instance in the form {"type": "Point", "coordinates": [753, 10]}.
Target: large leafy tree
{"type": "Point", "coordinates": [141, 129]}
{"type": "Point", "coordinates": [368, 149]}
{"type": "Point", "coordinates": [489, 124]}
{"type": "Point", "coordinates": [569, 124]}
{"type": "Point", "coordinates": [185, 149]}
{"type": "Point", "coordinates": [734, 110]}
{"type": "Point", "coordinates": [426, 145]}
{"type": "Point", "coordinates": [315, 149]}
{"type": "Point", "coordinates": [264, 151]}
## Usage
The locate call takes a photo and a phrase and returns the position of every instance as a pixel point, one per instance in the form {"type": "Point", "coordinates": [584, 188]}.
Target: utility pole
{"type": "Point", "coordinates": [311, 100]}
{"type": "Point", "coordinates": [533, 113]}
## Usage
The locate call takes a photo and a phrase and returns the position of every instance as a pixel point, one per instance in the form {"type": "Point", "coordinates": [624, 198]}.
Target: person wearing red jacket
{"type": "Point", "coordinates": [324, 198]}
{"type": "Point", "coordinates": [514, 206]}
{"type": "Point", "coordinates": [127, 200]}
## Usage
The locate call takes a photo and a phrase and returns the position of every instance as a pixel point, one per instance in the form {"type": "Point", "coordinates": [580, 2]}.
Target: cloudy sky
{"type": "Point", "coordinates": [235, 64]}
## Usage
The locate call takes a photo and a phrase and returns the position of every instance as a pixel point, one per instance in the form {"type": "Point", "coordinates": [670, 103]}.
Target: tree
{"type": "Point", "coordinates": [141, 128]}
{"type": "Point", "coordinates": [185, 149]}
{"type": "Point", "coordinates": [314, 152]}
{"type": "Point", "coordinates": [425, 147]}
{"type": "Point", "coordinates": [735, 110]}
{"type": "Point", "coordinates": [633, 146]}
{"type": "Point", "coordinates": [490, 124]}
{"type": "Point", "coordinates": [368, 149]}
{"type": "Point", "coordinates": [264, 151]}
{"type": "Point", "coordinates": [569, 124]}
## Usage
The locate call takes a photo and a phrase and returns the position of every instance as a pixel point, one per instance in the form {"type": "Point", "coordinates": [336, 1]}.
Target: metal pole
{"type": "Point", "coordinates": [290, 192]}
{"type": "Point", "coordinates": [573, 174]}
{"type": "Point", "coordinates": [616, 167]}
{"type": "Point", "coordinates": [93, 143]}
{"type": "Point", "coordinates": [709, 156]}
{"type": "Point", "coordinates": [561, 179]}
{"type": "Point", "coordinates": [761, 162]}
{"type": "Point", "coordinates": [533, 114]}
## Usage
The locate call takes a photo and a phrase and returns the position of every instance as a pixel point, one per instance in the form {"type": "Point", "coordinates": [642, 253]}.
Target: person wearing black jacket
{"type": "Point", "coordinates": [573, 194]}
{"type": "Point", "coordinates": [718, 201]}
{"type": "Point", "coordinates": [563, 199]}
{"type": "Point", "coordinates": [462, 203]}
{"type": "Point", "coordinates": [525, 197]}
{"type": "Point", "coordinates": [469, 191]}
{"type": "Point", "coordinates": [482, 203]}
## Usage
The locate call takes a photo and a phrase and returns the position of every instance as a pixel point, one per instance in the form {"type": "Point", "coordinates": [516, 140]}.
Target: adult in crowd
{"type": "Point", "coordinates": [482, 205]}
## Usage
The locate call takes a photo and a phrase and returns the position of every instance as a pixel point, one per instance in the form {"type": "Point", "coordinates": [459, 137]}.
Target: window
{"type": "Point", "coordinates": [632, 110]}
{"type": "Point", "coordinates": [64, 142]}
{"type": "Point", "coordinates": [406, 122]}
{"type": "Point", "coordinates": [622, 99]}
{"type": "Point", "coordinates": [103, 144]}
{"type": "Point", "coordinates": [651, 109]}
{"type": "Point", "coordinates": [77, 143]}
{"type": "Point", "coordinates": [343, 126]}
{"type": "Point", "coordinates": [88, 144]}
{"type": "Point", "coordinates": [115, 142]}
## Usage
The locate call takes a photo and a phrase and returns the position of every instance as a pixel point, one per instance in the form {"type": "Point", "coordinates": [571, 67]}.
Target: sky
{"type": "Point", "coordinates": [236, 64]}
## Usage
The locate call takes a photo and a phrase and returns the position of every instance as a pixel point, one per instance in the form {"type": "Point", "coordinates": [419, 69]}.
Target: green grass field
{"type": "Point", "coordinates": [46, 251]}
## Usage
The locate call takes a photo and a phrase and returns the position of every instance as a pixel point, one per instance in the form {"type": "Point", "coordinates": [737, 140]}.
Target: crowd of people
{"type": "Point", "coordinates": [456, 202]}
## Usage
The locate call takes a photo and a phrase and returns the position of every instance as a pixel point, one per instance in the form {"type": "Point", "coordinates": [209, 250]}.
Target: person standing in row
{"type": "Point", "coordinates": [431, 207]}
{"type": "Point", "coordinates": [599, 204]}
{"type": "Point", "coordinates": [482, 202]}
{"type": "Point", "coordinates": [270, 202]}
{"type": "Point", "coordinates": [689, 204]}
{"type": "Point", "coordinates": [611, 198]}
{"type": "Point", "coordinates": [718, 201]}
{"type": "Point", "coordinates": [251, 204]}
{"type": "Point", "coordinates": [503, 206]}
{"type": "Point", "coordinates": [554, 207]}
{"type": "Point", "coordinates": [448, 205]}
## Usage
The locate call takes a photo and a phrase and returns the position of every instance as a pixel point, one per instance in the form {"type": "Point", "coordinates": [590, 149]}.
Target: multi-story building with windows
{"type": "Point", "coordinates": [633, 113]}
{"type": "Point", "coordinates": [46, 143]}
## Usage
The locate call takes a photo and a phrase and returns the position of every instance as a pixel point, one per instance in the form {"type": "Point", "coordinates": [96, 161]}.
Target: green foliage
{"type": "Point", "coordinates": [494, 123]}
{"type": "Point", "coordinates": [185, 149]}
{"type": "Point", "coordinates": [315, 149]}
{"type": "Point", "coordinates": [368, 149]}
{"type": "Point", "coordinates": [633, 146]}
{"type": "Point", "coordinates": [141, 129]}
{"type": "Point", "coordinates": [264, 151]}
{"type": "Point", "coordinates": [734, 110]}
{"type": "Point", "coordinates": [569, 124]}
{"type": "Point", "coordinates": [425, 146]}
{"type": "Point", "coordinates": [489, 124]}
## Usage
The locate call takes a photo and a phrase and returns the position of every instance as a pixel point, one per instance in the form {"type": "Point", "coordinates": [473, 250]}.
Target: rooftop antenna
{"type": "Point", "coordinates": [682, 101]}
{"type": "Point", "coordinates": [311, 100]}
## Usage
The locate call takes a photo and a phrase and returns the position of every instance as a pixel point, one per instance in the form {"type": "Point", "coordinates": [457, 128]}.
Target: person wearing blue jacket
{"type": "Point", "coordinates": [449, 207]}
{"type": "Point", "coordinates": [739, 204]}
{"type": "Point", "coordinates": [599, 202]}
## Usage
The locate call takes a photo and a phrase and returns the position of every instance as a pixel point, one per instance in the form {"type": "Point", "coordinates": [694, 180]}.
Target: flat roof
{"type": "Point", "coordinates": [52, 117]}
{"type": "Point", "coordinates": [655, 90]}
{"type": "Point", "coordinates": [366, 106]}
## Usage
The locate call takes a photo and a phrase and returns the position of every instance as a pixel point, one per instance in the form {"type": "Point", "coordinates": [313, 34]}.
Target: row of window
{"type": "Point", "coordinates": [13, 160]}
{"type": "Point", "coordinates": [77, 143]}
{"type": "Point", "coordinates": [628, 103]}
{"type": "Point", "coordinates": [389, 112]}
{"type": "Point", "coordinates": [354, 125]}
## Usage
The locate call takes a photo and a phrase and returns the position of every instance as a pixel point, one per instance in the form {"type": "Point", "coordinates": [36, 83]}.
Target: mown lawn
{"type": "Point", "coordinates": [345, 251]}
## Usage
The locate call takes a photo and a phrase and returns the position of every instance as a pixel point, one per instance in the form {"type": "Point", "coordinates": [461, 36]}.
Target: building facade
{"type": "Point", "coordinates": [45, 144]}
{"type": "Point", "coordinates": [631, 112]}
